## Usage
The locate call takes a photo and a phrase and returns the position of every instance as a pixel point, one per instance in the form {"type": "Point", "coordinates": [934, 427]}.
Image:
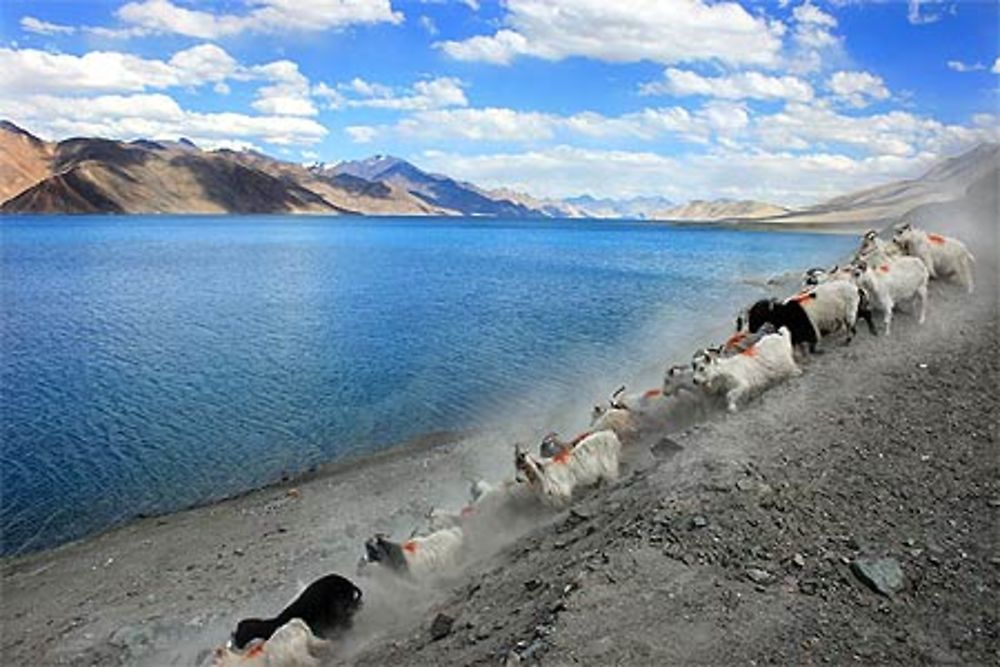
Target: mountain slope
{"type": "Point", "coordinates": [945, 181]}
{"type": "Point", "coordinates": [103, 176]}
{"type": "Point", "coordinates": [720, 209]}
{"type": "Point", "coordinates": [438, 191]}
{"type": "Point", "coordinates": [24, 160]}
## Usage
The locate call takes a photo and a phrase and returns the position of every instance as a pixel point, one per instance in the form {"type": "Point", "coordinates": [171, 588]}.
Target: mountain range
{"type": "Point", "coordinates": [93, 175]}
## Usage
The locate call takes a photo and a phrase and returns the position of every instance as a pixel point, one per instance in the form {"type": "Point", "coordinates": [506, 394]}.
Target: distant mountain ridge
{"type": "Point", "coordinates": [93, 175]}
{"type": "Point", "coordinates": [720, 209]}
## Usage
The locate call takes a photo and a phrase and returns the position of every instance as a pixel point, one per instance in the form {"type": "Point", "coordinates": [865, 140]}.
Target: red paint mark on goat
{"type": "Point", "coordinates": [467, 511]}
{"type": "Point", "coordinates": [563, 455]}
{"type": "Point", "coordinates": [936, 238]}
{"type": "Point", "coordinates": [410, 546]}
{"type": "Point", "coordinates": [578, 439]}
{"type": "Point", "coordinates": [884, 268]}
{"type": "Point", "coordinates": [803, 296]}
{"type": "Point", "coordinates": [750, 352]}
{"type": "Point", "coordinates": [255, 651]}
{"type": "Point", "coordinates": [652, 393]}
{"type": "Point", "coordinates": [736, 339]}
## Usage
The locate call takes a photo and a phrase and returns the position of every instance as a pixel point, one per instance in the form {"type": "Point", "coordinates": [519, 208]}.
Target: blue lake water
{"type": "Point", "coordinates": [149, 363]}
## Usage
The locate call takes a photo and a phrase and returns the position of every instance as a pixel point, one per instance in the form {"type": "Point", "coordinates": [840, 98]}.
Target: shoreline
{"type": "Point", "coordinates": [166, 589]}
{"type": "Point", "coordinates": [350, 464]}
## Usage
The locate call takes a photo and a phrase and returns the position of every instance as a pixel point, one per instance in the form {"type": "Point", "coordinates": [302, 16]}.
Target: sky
{"type": "Point", "coordinates": [784, 101]}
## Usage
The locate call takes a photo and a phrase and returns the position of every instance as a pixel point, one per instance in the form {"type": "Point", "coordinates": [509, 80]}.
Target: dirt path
{"type": "Point", "coordinates": [738, 547]}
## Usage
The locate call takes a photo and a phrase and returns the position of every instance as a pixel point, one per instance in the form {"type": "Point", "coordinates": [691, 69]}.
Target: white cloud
{"type": "Point", "coordinates": [814, 46]}
{"type": "Point", "coordinates": [361, 134]}
{"type": "Point", "coordinates": [267, 16]}
{"type": "Point", "coordinates": [427, 23]}
{"type": "Point", "coordinates": [665, 32]}
{"type": "Point", "coordinates": [152, 116]}
{"type": "Point", "coordinates": [287, 95]}
{"type": "Point", "coordinates": [31, 24]}
{"type": "Point", "coordinates": [996, 66]}
{"type": "Point", "coordinates": [858, 89]}
{"type": "Point", "coordinates": [809, 13]}
{"type": "Point", "coordinates": [918, 16]}
{"type": "Point", "coordinates": [437, 93]}
{"type": "Point", "coordinates": [896, 133]}
{"type": "Point", "coordinates": [959, 66]}
{"type": "Point", "coordinates": [35, 71]}
{"type": "Point", "coordinates": [493, 124]}
{"type": "Point", "coordinates": [743, 85]}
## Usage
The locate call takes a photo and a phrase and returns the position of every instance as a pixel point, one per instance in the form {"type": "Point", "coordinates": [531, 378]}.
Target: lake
{"type": "Point", "coordinates": [149, 363]}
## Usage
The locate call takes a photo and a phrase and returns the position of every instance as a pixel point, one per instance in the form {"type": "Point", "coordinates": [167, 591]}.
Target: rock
{"type": "Point", "coordinates": [758, 576]}
{"type": "Point", "coordinates": [807, 587]}
{"type": "Point", "coordinates": [441, 627]}
{"type": "Point", "coordinates": [532, 584]}
{"type": "Point", "coordinates": [699, 522]}
{"type": "Point", "coordinates": [882, 575]}
{"type": "Point", "coordinates": [799, 561]}
{"type": "Point", "coordinates": [294, 493]}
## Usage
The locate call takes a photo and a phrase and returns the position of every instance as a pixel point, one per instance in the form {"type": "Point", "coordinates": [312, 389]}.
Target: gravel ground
{"type": "Point", "coordinates": [738, 545]}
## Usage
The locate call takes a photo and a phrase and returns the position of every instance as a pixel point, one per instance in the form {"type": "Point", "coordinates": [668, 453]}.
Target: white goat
{"type": "Point", "coordinates": [491, 503]}
{"type": "Point", "coordinates": [871, 245]}
{"type": "Point", "coordinates": [430, 555]}
{"type": "Point", "coordinates": [291, 645]}
{"type": "Point", "coordinates": [945, 257]}
{"type": "Point", "coordinates": [553, 480]}
{"type": "Point", "coordinates": [832, 306]}
{"type": "Point", "coordinates": [767, 362]}
{"type": "Point", "coordinates": [890, 283]}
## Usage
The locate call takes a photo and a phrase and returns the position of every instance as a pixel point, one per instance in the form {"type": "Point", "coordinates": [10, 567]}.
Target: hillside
{"type": "Point", "coordinates": [720, 209]}
{"type": "Point", "coordinates": [24, 160]}
{"type": "Point", "coordinates": [949, 179]}
{"type": "Point", "coordinates": [434, 189]}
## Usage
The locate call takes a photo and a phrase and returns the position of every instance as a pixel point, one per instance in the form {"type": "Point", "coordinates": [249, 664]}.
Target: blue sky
{"type": "Point", "coordinates": [788, 102]}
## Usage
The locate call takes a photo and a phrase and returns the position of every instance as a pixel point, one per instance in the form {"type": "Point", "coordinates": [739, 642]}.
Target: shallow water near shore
{"type": "Point", "coordinates": [150, 363]}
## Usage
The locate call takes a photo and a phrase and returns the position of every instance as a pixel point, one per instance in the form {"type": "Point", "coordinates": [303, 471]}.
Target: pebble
{"type": "Point", "coordinates": [758, 576]}
{"type": "Point", "coordinates": [799, 561]}
{"type": "Point", "coordinates": [699, 522]}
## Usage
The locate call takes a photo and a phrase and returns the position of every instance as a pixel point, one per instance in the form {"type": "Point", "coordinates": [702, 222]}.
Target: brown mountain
{"type": "Point", "coordinates": [86, 175]}
{"type": "Point", "coordinates": [24, 160]}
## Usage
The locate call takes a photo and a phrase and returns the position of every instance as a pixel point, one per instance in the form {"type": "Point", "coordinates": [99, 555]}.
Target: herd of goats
{"type": "Point", "coordinates": [881, 276]}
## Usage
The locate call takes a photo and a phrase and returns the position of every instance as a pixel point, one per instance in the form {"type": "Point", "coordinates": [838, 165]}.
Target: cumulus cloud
{"type": "Point", "coordinates": [31, 24]}
{"type": "Point", "coordinates": [814, 46]}
{"type": "Point", "coordinates": [496, 124]}
{"type": "Point", "coordinates": [665, 32]}
{"type": "Point", "coordinates": [858, 89]}
{"type": "Point", "coordinates": [156, 116]}
{"type": "Point", "coordinates": [743, 85]}
{"type": "Point", "coordinates": [437, 93]}
{"type": "Point", "coordinates": [807, 127]}
{"type": "Point", "coordinates": [36, 71]}
{"type": "Point", "coordinates": [996, 66]}
{"type": "Point", "coordinates": [288, 93]}
{"type": "Point", "coordinates": [267, 16]}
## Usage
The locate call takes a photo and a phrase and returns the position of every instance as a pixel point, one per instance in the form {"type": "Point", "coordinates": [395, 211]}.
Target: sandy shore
{"type": "Point", "coordinates": [887, 447]}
